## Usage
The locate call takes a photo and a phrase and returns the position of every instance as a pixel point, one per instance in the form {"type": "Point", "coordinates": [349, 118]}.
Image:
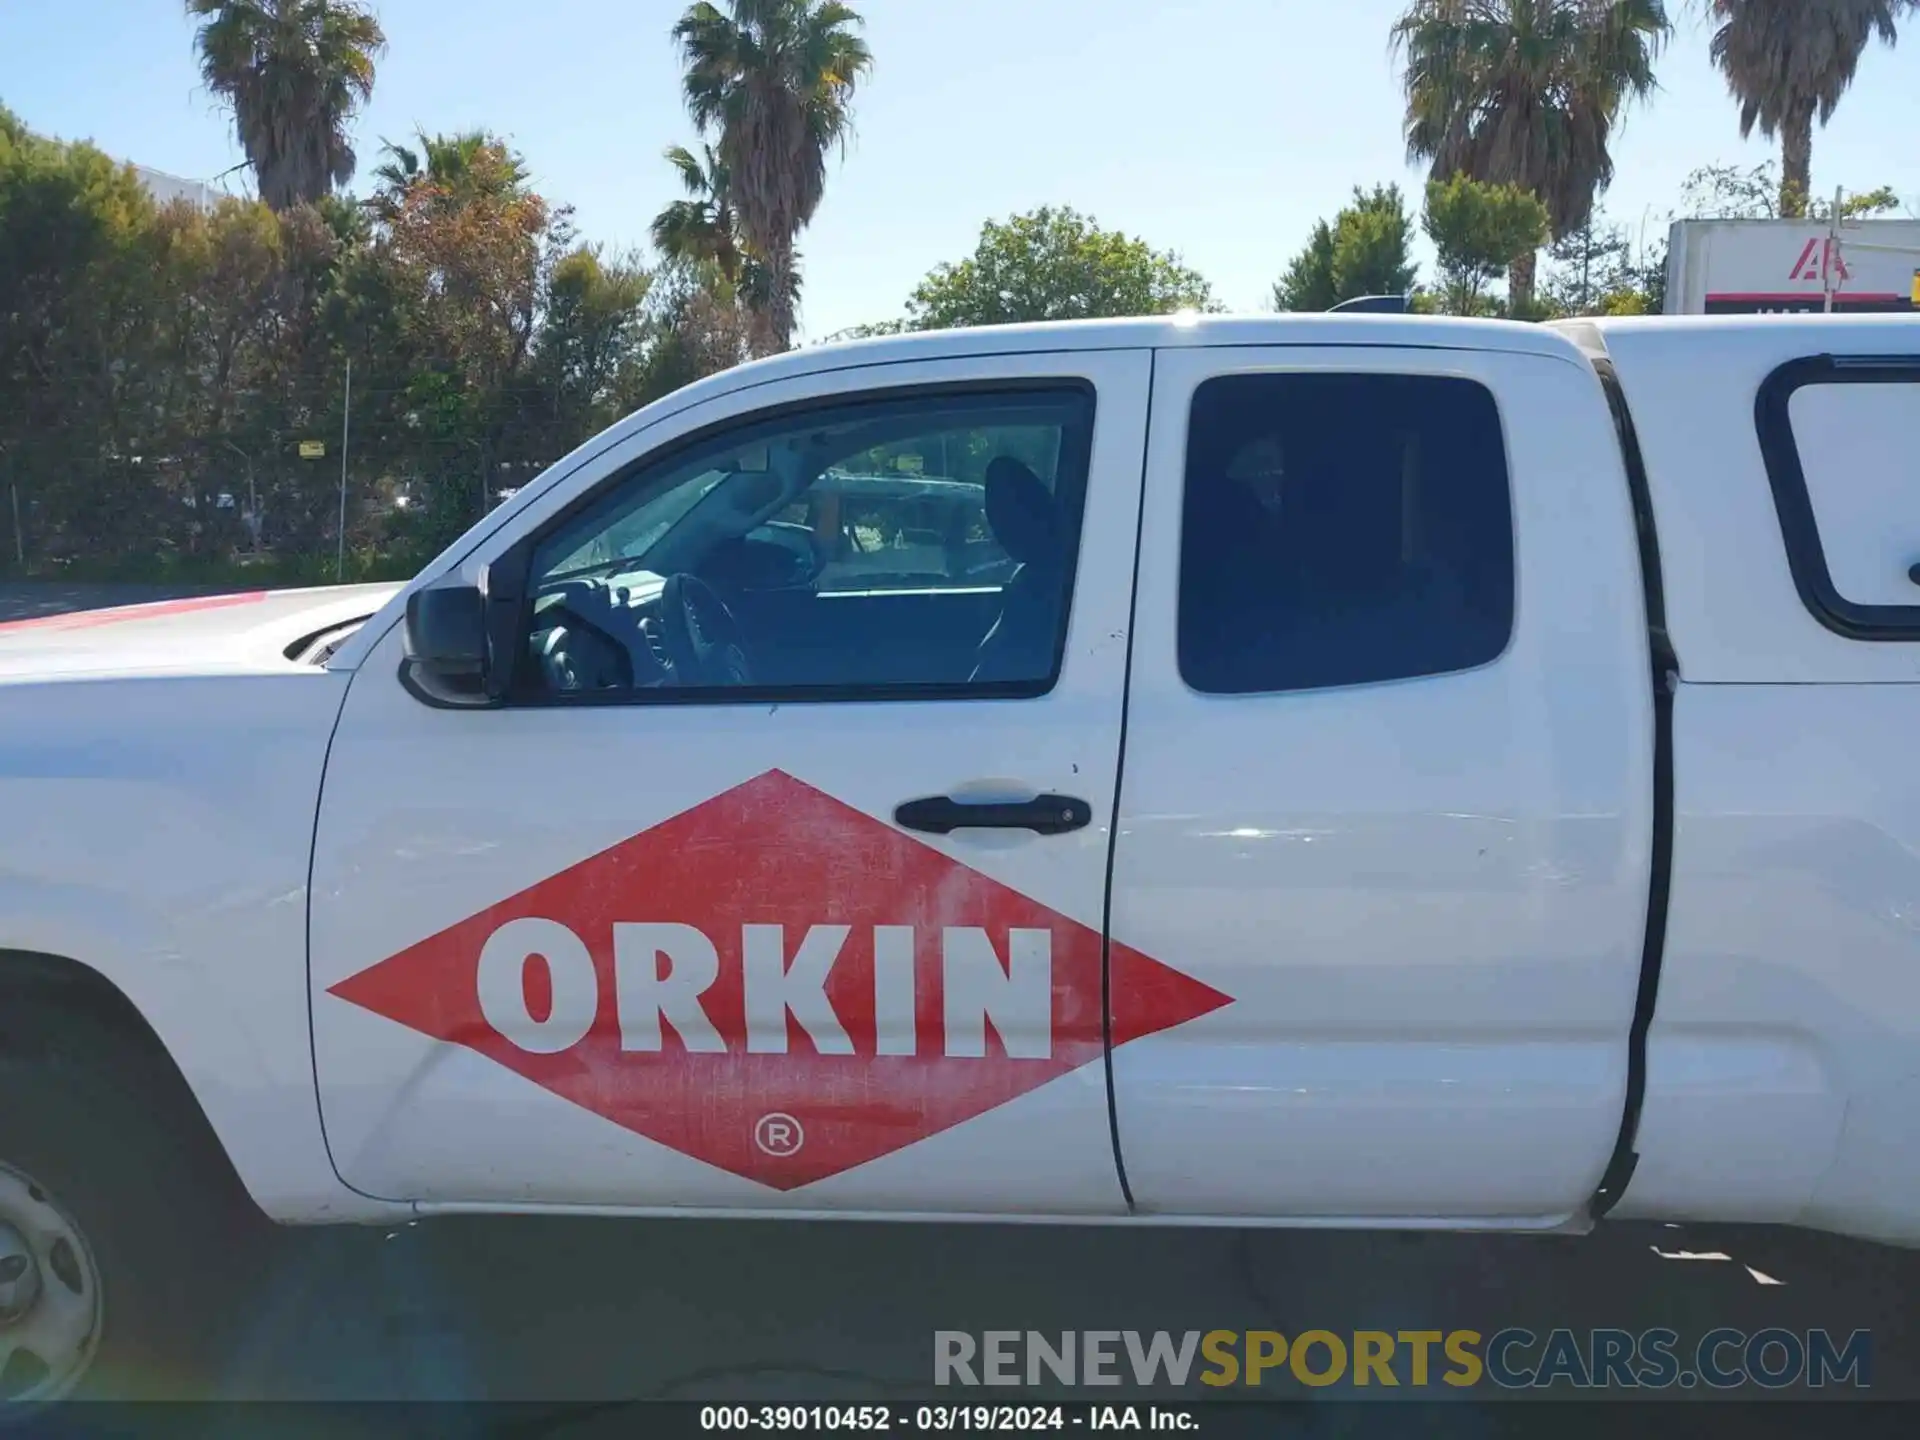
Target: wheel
{"type": "Point", "coordinates": [122, 1243]}
{"type": "Point", "coordinates": [49, 1294]}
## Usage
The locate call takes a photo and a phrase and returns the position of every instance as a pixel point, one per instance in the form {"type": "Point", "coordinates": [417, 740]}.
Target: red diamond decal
{"type": "Point", "coordinates": [777, 984]}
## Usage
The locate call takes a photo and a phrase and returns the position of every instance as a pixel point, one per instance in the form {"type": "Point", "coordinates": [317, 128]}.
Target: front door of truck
{"type": "Point", "coordinates": [659, 932]}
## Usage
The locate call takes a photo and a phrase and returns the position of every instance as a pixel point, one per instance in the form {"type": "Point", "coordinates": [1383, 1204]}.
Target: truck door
{"type": "Point", "coordinates": [1388, 786]}
{"type": "Point", "coordinates": [719, 909]}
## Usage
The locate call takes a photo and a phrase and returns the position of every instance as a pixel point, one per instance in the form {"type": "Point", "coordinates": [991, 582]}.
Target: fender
{"type": "Point", "coordinates": [171, 860]}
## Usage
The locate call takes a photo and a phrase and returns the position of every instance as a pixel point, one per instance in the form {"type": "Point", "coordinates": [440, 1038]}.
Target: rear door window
{"type": "Point", "coordinates": [1342, 529]}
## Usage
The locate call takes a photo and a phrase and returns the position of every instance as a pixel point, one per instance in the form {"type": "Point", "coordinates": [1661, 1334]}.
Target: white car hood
{"type": "Point", "coordinates": [214, 634]}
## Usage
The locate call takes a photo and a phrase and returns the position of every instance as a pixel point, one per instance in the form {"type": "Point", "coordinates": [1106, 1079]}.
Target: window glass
{"type": "Point", "coordinates": [1341, 529]}
{"type": "Point", "coordinates": [1855, 442]}
{"type": "Point", "coordinates": [905, 545]}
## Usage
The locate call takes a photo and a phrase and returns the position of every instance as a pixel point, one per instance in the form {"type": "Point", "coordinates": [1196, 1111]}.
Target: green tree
{"type": "Point", "coordinates": [1734, 192]}
{"type": "Point", "coordinates": [78, 264]}
{"type": "Point", "coordinates": [294, 73]}
{"type": "Point", "coordinates": [1477, 230]}
{"type": "Point", "coordinates": [870, 330]}
{"type": "Point", "coordinates": [775, 81]}
{"type": "Point", "coordinates": [1600, 269]}
{"type": "Point", "coordinates": [158, 365]}
{"type": "Point", "coordinates": [591, 341]}
{"type": "Point", "coordinates": [1527, 93]}
{"type": "Point", "coordinates": [1365, 251]}
{"type": "Point", "coordinates": [469, 265]}
{"type": "Point", "coordinates": [455, 167]}
{"type": "Point", "coordinates": [1790, 62]}
{"type": "Point", "coordinates": [1055, 264]}
{"type": "Point", "coordinates": [697, 326]}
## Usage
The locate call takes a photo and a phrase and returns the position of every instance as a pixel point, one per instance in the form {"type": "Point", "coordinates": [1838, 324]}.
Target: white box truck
{"type": "Point", "coordinates": [1757, 267]}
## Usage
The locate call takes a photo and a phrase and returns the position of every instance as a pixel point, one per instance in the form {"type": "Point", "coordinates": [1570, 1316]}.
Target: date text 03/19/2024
{"type": "Point", "coordinates": [934, 1419]}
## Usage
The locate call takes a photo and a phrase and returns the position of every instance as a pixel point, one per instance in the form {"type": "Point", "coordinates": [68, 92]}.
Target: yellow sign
{"type": "Point", "coordinates": [1916, 289]}
{"type": "Point", "coordinates": [313, 449]}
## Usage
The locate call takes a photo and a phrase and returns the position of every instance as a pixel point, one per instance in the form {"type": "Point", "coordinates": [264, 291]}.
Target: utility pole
{"type": "Point", "coordinates": [1833, 249]}
{"type": "Point", "coordinates": [253, 498]}
{"type": "Point", "coordinates": [19, 535]}
{"type": "Point", "coordinates": [346, 436]}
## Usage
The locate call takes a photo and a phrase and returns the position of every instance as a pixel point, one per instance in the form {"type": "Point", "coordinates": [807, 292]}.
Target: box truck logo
{"type": "Point", "coordinates": [777, 984]}
{"type": "Point", "coordinates": [1817, 259]}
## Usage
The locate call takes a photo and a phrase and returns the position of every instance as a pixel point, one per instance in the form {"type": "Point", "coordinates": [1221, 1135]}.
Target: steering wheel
{"type": "Point", "coordinates": [703, 641]}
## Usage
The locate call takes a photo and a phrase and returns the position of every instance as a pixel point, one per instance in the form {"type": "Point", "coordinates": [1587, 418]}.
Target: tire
{"type": "Point", "coordinates": [124, 1234]}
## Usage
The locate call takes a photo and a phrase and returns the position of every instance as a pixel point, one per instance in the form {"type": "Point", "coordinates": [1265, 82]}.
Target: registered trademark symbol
{"type": "Point", "coordinates": [779, 1135]}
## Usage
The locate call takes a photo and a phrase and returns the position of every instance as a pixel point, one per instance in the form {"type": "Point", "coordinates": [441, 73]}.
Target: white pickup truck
{"type": "Point", "coordinates": [1333, 771]}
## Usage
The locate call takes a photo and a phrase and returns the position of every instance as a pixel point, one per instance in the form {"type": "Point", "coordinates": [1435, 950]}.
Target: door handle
{"type": "Point", "coordinates": [1044, 815]}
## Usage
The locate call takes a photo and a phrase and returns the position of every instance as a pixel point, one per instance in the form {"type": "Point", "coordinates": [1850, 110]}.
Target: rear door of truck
{"type": "Point", "coordinates": [1387, 784]}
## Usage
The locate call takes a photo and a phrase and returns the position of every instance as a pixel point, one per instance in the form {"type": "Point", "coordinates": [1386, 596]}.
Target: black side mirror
{"type": "Point", "coordinates": [447, 650]}
{"type": "Point", "coordinates": [462, 640]}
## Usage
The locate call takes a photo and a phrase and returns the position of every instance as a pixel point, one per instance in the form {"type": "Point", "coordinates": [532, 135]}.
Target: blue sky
{"type": "Point", "coordinates": [1219, 128]}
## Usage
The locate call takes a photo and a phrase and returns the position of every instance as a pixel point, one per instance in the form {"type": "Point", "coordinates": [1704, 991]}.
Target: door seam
{"type": "Point", "coordinates": [1119, 777]}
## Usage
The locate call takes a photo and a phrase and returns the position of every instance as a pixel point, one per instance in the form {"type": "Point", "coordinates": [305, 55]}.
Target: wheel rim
{"type": "Point", "coordinates": [49, 1294]}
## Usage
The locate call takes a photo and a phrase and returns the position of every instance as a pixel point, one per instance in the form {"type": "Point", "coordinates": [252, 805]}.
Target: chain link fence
{"type": "Point", "coordinates": [312, 487]}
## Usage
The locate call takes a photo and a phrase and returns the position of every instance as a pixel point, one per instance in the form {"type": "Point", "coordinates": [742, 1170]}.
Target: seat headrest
{"type": "Point", "coordinates": [1021, 511]}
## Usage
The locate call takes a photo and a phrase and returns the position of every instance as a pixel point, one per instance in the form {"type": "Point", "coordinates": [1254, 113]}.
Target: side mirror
{"type": "Point", "coordinates": [446, 638]}
{"type": "Point", "coordinates": [447, 631]}
{"type": "Point", "coordinates": [462, 640]}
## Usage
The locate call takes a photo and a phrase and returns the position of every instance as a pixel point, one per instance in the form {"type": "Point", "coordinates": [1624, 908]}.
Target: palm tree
{"type": "Point", "coordinates": [775, 79]}
{"type": "Point", "coordinates": [460, 166]}
{"type": "Point", "coordinates": [1788, 61]}
{"type": "Point", "coordinates": [703, 227]}
{"type": "Point", "coordinates": [1527, 93]}
{"type": "Point", "coordinates": [294, 71]}
{"type": "Point", "coordinates": [704, 231]}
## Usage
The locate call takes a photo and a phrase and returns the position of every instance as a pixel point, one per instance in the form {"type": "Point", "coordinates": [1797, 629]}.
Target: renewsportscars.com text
{"type": "Point", "coordinates": [1513, 1359]}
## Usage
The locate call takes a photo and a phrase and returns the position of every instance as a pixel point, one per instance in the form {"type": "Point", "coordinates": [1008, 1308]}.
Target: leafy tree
{"type": "Point", "coordinates": [1861, 206]}
{"type": "Point", "coordinates": [1477, 230]}
{"type": "Point", "coordinates": [698, 327]}
{"type": "Point", "coordinates": [1733, 192]}
{"type": "Point", "coordinates": [456, 167]}
{"type": "Point", "coordinates": [871, 330]}
{"type": "Point", "coordinates": [1527, 93]}
{"type": "Point", "coordinates": [1789, 62]}
{"type": "Point", "coordinates": [592, 338]}
{"type": "Point", "coordinates": [1585, 263]}
{"type": "Point", "coordinates": [160, 365]}
{"type": "Point", "coordinates": [1055, 264]}
{"type": "Point", "coordinates": [294, 72]}
{"type": "Point", "coordinates": [775, 79]}
{"type": "Point", "coordinates": [77, 259]}
{"type": "Point", "coordinates": [1599, 269]}
{"type": "Point", "coordinates": [1365, 251]}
